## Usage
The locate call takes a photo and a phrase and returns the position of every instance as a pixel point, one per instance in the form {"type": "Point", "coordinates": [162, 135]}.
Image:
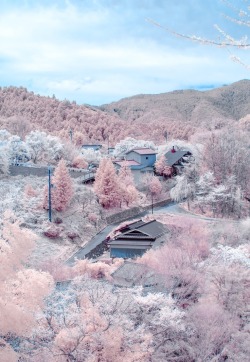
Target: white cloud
{"type": "Point", "coordinates": [100, 54]}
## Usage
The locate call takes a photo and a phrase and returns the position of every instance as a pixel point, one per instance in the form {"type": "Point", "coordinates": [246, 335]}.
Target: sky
{"type": "Point", "coordinates": [99, 51]}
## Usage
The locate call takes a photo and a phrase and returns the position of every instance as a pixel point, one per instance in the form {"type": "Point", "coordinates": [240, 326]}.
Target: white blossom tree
{"type": "Point", "coordinates": [129, 143]}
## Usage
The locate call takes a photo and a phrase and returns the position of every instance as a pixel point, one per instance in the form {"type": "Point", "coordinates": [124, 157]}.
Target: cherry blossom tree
{"type": "Point", "coordinates": [154, 186]}
{"type": "Point", "coordinates": [79, 162]}
{"type": "Point", "coordinates": [162, 168]}
{"type": "Point", "coordinates": [19, 151]}
{"type": "Point", "coordinates": [4, 135]}
{"type": "Point", "coordinates": [125, 175]}
{"type": "Point", "coordinates": [211, 329]}
{"type": "Point", "coordinates": [63, 187]}
{"type": "Point", "coordinates": [129, 192]}
{"type": "Point", "coordinates": [226, 154]}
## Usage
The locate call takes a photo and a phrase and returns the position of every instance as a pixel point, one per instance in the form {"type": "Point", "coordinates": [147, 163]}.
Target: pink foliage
{"type": "Point", "coordinates": [93, 218]}
{"type": "Point", "coordinates": [162, 168]}
{"type": "Point", "coordinates": [30, 191]}
{"type": "Point", "coordinates": [155, 186]}
{"type": "Point", "coordinates": [63, 191]}
{"type": "Point", "coordinates": [22, 291]}
{"type": "Point", "coordinates": [212, 328]}
{"type": "Point", "coordinates": [95, 270]}
{"type": "Point", "coordinates": [57, 269]}
{"type": "Point", "coordinates": [106, 184]}
{"type": "Point", "coordinates": [177, 262]}
{"type": "Point", "coordinates": [79, 162]}
{"type": "Point", "coordinates": [52, 231]}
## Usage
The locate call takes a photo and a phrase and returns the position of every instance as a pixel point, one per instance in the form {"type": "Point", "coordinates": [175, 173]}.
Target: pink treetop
{"type": "Point", "coordinates": [155, 186]}
{"type": "Point", "coordinates": [162, 168]}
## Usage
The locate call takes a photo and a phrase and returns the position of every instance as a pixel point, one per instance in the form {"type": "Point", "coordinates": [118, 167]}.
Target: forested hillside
{"type": "Point", "coordinates": [180, 114]}
{"type": "Point", "coordinates": [187, 109]}
{"type": "Point", "coordinates": [22, 111]}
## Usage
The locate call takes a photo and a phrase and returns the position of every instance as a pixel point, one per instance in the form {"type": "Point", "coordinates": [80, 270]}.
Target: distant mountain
{"type": "Point", "coordinates": [200, 108]}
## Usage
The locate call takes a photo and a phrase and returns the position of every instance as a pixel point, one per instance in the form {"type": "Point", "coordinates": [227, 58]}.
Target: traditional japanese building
{"type": "Point", "coordinates": [136, 238]}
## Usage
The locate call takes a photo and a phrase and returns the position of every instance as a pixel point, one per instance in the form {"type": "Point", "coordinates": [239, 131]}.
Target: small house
{"type": "Point", "coordinates": [140, 161]}
{"type": "Point", "coordinates": [92, 147]}
{"type": "Point", "coordinates": [143, 156]}
{"type": "Point", "coordinates": [136, 238]}
{"type": "Point", "coordinates": [177, 158]}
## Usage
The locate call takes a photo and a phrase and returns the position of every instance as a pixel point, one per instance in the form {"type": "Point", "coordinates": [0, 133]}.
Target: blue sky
{"type": "Point", "coordinates": [99, 51]}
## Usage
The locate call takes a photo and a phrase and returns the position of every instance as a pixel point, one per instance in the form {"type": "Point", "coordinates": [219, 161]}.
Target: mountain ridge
{"type": "Point", "coordinates": [231, 101]}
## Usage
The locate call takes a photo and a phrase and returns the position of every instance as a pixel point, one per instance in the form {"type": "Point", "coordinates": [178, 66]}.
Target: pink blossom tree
{"type": "Point", "coordinates": [154, 187]}
{"type": "Point", "coordinates": [162, 168]}
{"type": "Point", "coordinates": [126, 180]}
{"type": "Point", "coordinates": [22, 290]}
{"type": "Point", "coordinates": [125, 175]}
{"type": "Point", "coordinates": [79, 162]}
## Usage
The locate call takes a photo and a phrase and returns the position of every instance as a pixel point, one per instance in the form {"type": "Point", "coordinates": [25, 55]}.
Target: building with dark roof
{"type": "Point", "coordinates": [131, 274]}
{"type": "Point", "coordinates": [176, 159]}
{"type": "Point", "coordinates": [135, 239]}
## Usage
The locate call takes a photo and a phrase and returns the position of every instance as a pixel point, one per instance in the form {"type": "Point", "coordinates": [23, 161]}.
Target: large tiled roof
{"type": "Point", "coordinates": [140, 233]}
{"type": "Point", "coordinates": [130, 270]}
{"type": "Point", "coordinates": [173, 157]}
{"type": "Point", "coordinates": [130, 274]}
{"type": "Point", "coordinates": [153, 228]}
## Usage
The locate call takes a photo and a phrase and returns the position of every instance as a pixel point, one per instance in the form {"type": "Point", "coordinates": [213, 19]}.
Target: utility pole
{"type": "Point", "coordinates": [166, 135]}
{"type": "Point", "coordinates": [152, 203]}
{"type": "Point", "coordinates": [49, 189]}
{"type": "Point", "coordinates": [108, 143]}
{"type": "Point", "coordinates": [71, 134]}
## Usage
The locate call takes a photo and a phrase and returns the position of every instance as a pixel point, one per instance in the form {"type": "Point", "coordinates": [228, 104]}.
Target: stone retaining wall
{"type": "Point", "coordinates": [40, 171]}
{"type": "Point", "coordinates": [134, 211]}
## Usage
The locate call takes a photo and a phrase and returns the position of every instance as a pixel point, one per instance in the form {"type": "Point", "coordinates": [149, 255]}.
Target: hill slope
{"type": "Point", "coordinates": [230, 102]}
{"type": "Point", "coordinates": [22, 111]}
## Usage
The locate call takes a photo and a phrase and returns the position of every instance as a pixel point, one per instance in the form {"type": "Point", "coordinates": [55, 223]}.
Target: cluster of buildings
{"type": "Point", "coordinates": [136, 238]}
{"type": "Point", "coordinates": [142, 160]}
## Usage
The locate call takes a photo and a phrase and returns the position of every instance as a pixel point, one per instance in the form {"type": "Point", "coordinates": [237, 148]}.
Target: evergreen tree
{"type": "Point", "coordinates": [63, 187]}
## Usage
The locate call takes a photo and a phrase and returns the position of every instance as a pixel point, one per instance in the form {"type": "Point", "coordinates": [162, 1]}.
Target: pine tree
{"type": "Point", "coordinates": [106, 184]}
{"type": "Point", "coordinates": [63, 187]}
